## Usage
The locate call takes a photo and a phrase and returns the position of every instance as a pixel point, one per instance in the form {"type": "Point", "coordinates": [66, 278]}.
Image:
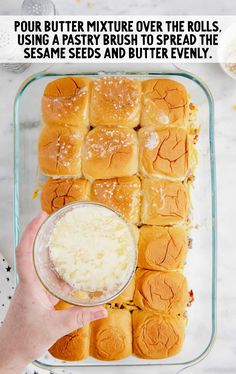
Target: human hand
{"type": "Point", "coordinates": [32, 324]}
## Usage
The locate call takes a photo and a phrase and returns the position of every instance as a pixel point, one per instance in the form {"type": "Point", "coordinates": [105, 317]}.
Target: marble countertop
{"type": "Point", "coordinates": [132, 7]}
{"type": "Point", "coordinates": [222, 358]}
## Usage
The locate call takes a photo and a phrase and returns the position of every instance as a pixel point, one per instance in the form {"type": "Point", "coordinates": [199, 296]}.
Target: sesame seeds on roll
{"type": "Point", "coordinates": [115, 101]}
{"type": "Point", "coordinates": [110, 152]}
{"type": "Point", "coordinates": [66, 101]}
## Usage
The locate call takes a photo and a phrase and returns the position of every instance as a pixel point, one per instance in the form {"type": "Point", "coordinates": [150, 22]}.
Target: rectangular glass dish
{"type": "Point", "coordinates": [200, 269]}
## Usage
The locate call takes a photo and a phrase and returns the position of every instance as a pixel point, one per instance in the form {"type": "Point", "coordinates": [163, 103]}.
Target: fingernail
{"type": "Point", "coordinates": [99, 314]}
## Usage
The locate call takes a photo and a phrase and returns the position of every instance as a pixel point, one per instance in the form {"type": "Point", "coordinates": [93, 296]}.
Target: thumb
{"type": "Point", "coordinates": [24, 258]}
{"type": "Point", "coordinates": [72, 319]}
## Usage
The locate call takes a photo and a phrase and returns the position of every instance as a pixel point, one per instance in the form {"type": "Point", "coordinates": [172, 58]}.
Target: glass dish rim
{"type": "Point", "coordinates": [207, 92]}
{"type": "Point", "coordinates": [67, 207]}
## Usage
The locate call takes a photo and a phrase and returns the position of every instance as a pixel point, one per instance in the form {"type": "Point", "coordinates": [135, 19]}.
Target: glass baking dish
{"type": "Point", "coordinates": [201, 262]}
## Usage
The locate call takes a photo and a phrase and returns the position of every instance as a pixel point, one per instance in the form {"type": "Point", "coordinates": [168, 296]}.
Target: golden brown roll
{"type": "Point", "coordinates": [164, 202]}
{"type": "Point", "coordinates": [162, 248]}
{"type": "Point", "coordinates": [120, 194]}
{"type": "Point", "coordinates": [135, 230]}
{"type": "Point", "coordinates": [161, 292]}
{"type": "Point", "coordinates": [164, 152]}
{"type": "Point", "coordinates": [165, 103]}
{"type": "Point", "coordinates": [127, 295]}
{"type": "Point", "coordinates": [61, 305]}
{"type": "Point", "coordinates": [110, 152]}
{"type": "Point", "coordinates": [59, 151]}
{"type": "Point", "coordinates": [66, 101]}
{"type": "Point", "coordinates": [111, 337]}
{"type": "Point", "coordinates": [74, 346]}
{"type": "Point", "coordinates": [115, 101]}
{"type": "Point", "coordinates": [58, 192]}
{"type": "Point", "coordinates": [156, 336]}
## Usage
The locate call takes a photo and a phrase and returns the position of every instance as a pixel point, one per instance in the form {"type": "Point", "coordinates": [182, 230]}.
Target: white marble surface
{"type": "Point", "coordinates": [132, 7]}
{"type": "Point", "coordinates": [222, 359]}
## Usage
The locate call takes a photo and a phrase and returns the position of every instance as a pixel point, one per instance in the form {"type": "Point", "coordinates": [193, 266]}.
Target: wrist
{"type": "Point", "coordinates": [10, 365]}
{"type": "Point", "coordinates": [11, 361]}
{"type": "Point", "coordinates": [11, 369]}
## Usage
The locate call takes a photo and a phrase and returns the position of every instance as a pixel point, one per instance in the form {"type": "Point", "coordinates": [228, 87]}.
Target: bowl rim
{"type": "Point", "coordinates": [68, 208]}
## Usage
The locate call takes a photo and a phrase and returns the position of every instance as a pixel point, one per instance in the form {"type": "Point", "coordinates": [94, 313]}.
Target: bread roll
{"type": "Point", "coordinates": [161, 292]}
{"type": "Point", "coordinates": [162, 248]}
{"type": "Point", "coordinates": [165, 103]}
{"type": "Point", "coordinates": [127, 295]}
{"type": "Point", "coordinates": [135, 230]}
{"type": "Point", "coordinates": [58, 192]}
{"type": "Point", "coordinates": [120, 194]}
{"type": "Point", "coordinates": [111, 337]}
{"type": "Point", "coordinates": [156, 336]}
{"type": "Point", "coordinates": [66, 101]}
{"type": "Point", "coordinates": [61, 305]}
{"type": "Point", "coordinates": [164, 202]}
{"type": "Point", "coordinates": [59, 151]}
{"type": "Point", "coordinates": [115, 101]}
{"type": "Point", "coordinates": [74, 346]}
{"type": "Point", "coordinates": [110, 152]}
{"type": "Point", "coordinates": [164, 152]}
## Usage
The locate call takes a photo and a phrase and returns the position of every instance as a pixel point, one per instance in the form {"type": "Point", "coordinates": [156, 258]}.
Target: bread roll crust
{"type": "Point", "coordinates": [161, 292]}
{"type": "Point", "coordinates": [165, 103]}
{"type": "Point", "coordinates": [58, 192]}
{"type": "Point", "coordinates": [74, 346]}
{"type": "Point", "coordinates": [110, 152]}
{"type": "Point", "coordinates": [164, 202]}
{"type": "Point", "coordinates": [111, 337]}
{"type": "Point", "coordinates": [115, 101]}
{"type": "Point", "coordinates": [164, 152]}
{"type": "Point", "coordinates": [127, 295]}
{"type": "Point", "coordinates": [61, 305]}
{"type": "Point", "coordinates": [120, 194]}
{"type": "Point", "coordinates": [59, 151]}
{"type": "Point", "coordinates": [162, 248]}
{"type": "Point", "coordinates": [66, 101]}
{"type": "Point", "coordinates": [157, 336]}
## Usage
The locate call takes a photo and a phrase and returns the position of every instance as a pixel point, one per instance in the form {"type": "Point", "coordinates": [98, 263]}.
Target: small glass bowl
{"type": "Point", "coordinates": [52, 281]}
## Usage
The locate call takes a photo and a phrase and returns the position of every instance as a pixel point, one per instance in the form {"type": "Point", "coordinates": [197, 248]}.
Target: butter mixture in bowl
{"type": "Point", "coordinates": [85, 253]}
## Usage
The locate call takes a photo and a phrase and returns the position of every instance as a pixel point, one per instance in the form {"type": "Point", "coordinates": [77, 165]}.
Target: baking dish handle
{"type": "Point", "coordinates": [98, 68]}
{"type": "Point", "coordinates": [103, 369]}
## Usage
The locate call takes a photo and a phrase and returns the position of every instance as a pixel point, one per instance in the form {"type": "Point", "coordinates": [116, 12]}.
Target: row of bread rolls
{"type": "Point", "coordinates": [161, 289]}
{"type": "Point", "coordinates": [160, 285]}
{"type": "Point", "coordinates": [116, 152]}
{"type": "Point", "coordinates": [116, 100]}
{"type": "Point", "coordinates": [147, 201]}
{"type": "Point", "coordinates": [121, 334]}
